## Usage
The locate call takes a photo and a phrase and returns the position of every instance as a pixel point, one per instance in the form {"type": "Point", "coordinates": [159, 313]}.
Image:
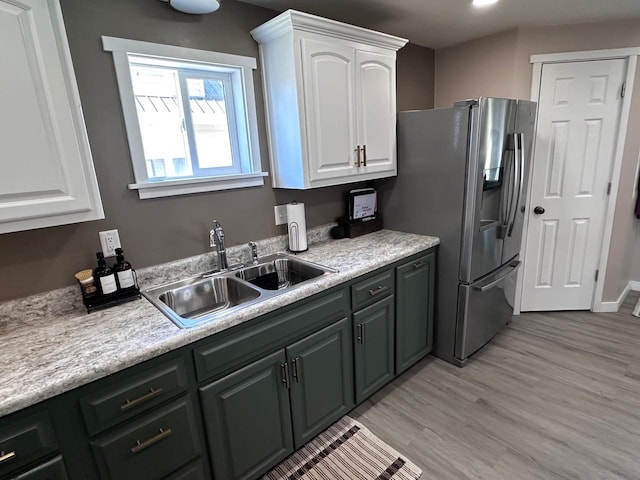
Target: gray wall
{"type": "Point", "coordinates": [159, 230]}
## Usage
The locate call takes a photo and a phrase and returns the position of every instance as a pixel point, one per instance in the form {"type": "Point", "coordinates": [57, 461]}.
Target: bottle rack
{"type": "Point", "coordinates": [97, 301]}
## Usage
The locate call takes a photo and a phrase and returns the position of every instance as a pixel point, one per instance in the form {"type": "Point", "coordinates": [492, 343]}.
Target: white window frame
{"type": "Point", "coordinates": [241, 69]}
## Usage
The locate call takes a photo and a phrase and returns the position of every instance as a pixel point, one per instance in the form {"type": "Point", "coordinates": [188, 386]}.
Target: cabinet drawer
{"type": "Point", "coordinates": [233, 351]}
{"type": "Point", "coordinates": [25, 439]}
{"type": "Point", "coordinates": [133, 395]}
{"type": "Point", "coordinates": [150, 448]}
{"type": "Point", "coordinates": [372, 289]}
{"type": "Point", "coordinates": [51, 470]}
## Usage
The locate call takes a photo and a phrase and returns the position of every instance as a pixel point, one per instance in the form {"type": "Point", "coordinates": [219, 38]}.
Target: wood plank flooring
{"type": "Point", "coordinates": [555, 395]}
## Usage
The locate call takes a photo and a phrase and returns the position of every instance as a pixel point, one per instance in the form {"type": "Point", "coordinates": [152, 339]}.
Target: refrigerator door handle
{"type": "Point", "coordinates": [518, 176]}
{"type": "Point", "coordinates": [514, 266]}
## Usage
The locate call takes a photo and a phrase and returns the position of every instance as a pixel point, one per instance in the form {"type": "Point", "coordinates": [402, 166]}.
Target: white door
{"type": "Point", "coordinates": [329, 84]}
{"type": "Point", "coordinates": [47, 172]}
{"type": "Point", "coordinates": [578, 119]}
{"type": "Point", "coordinates": [376, 100]}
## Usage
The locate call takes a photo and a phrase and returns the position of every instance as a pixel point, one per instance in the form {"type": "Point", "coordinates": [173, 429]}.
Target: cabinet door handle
{"type": "Point", "coordinates": [361, 333]}
{"type": "Point", "coordinates": [144, 398]}
{"type": "Point", "coordinates": [419, 264]}
{"type": "Point", "coordinates": [364, 154]}
{"type": "Point", "coordinates": [161, 435]}
{"type": "Point", "coordinates": [5, 457]}
{"type": "Point", "coordinates": [358, 156]}
{"type": "Point", "coordinates": [378, 290]}
{"type": "Point", "coordinates": [295, 372]}
{"type": "Point", "coordinates": [284, 368]}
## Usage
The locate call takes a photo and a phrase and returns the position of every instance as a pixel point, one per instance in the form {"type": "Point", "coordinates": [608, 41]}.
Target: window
{"type": "Point", "coordinates": [190, 118]}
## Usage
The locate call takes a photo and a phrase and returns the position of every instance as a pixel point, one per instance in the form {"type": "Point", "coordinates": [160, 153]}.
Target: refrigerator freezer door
{"type": "Point", "coordinates": [523, 140]}
{"type": "Point", "coordinates": [483, 309]}
{"type": "Point", "coordinates": [489, 186]}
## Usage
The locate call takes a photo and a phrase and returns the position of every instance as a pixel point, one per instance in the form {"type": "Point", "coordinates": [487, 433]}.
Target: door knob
{"type": "Point", "coordinates": [538, 210]}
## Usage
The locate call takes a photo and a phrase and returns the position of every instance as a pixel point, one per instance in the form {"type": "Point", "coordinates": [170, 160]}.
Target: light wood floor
{"type": "Point", "coordinates": [554, 396]}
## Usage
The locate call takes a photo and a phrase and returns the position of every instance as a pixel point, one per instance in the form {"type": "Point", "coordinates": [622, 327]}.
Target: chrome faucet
{"type": "Point", "coordinates": [216, 239]}
{"type": "Point", "coordinates": [254, 253]}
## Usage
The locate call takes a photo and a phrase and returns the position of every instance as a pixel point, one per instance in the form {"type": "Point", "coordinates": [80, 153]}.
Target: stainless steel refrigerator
{"type": "Point", "coordinates": [462, 176]}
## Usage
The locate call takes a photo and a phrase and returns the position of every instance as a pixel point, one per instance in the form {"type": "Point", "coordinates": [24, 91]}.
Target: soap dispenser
{"type": "Point", "coordinates": [124, 272]}
{"type": "Point", "coordinates": [104, 276]}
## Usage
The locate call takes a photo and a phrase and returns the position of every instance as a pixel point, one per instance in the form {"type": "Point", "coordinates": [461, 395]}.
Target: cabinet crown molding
{"type": "Point", "coordinates": [293, 20]}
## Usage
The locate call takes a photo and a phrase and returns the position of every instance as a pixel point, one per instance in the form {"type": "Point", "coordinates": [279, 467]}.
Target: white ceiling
{"type": "Point", "coordinates": [440, 23]}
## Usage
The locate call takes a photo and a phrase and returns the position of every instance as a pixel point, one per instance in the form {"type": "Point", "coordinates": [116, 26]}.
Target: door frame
{"type": "Point", "coordinates": [538, 61]}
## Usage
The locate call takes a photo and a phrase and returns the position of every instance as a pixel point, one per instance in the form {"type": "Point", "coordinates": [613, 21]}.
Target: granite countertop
{"type": "Point", "coordinates": [50, 345]}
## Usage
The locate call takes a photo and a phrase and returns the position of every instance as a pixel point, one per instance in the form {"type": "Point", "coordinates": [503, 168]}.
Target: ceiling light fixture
{"type": "Point", "coordinates": [195, 7]}
{"type": "Point", "coordinates": [483, 3]}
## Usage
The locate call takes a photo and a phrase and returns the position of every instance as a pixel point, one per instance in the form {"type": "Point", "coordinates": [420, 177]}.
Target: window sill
{"type": "Point", "coordinates": [170, 188]}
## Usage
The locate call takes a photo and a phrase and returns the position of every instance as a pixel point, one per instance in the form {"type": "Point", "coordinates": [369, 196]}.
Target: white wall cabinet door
{"type": "Point", "coordinates": [338, 81]}
{"type": "Point", "coordinates": [46, 171]}
{"type": "Point", "coordinates": [330, 117]}
{"type": "Point", "coordinates": [376, 100]}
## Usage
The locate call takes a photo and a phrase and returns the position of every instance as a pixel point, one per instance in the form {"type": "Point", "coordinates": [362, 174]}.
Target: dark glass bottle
{"type": "Point", "coordinates": [104, 276]}
{"type": "Point", "coordinates": [124, 272]}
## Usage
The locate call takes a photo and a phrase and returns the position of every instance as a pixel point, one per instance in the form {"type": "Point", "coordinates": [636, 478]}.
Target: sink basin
{"type": "Point", "coordinates": [193, 301]}
{"type": "Point", "coordinates": [280, 273]}
{"type": "Point", "coordinates": [203, 298]}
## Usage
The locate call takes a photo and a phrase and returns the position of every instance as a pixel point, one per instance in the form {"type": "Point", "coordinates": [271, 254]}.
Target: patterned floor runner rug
{"type": "Point", "coordinates": [345, 451]}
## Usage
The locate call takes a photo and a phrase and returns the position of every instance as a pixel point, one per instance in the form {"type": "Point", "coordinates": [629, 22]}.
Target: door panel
{"type": "Point", "coordinates": [376, 80]}
{"type": "Point", "coordinates": [414, 310]}
{"type": "Point", "coordinates": [373, 333]}
{"type": "Point", "coordinates": [321, 380]}
{"type": "Point", "coordinates": [523, 140]}
{"type": "Point", "coordinates": [491, 177]}
{"type": "Point", "coordinates": [483, 309]}
{"type": "Point", "coordinates": [329, 79]}
{"type": "Point", "coordinates": [248, 419]}
{"type": "Point", "coordinates": [575, 144]}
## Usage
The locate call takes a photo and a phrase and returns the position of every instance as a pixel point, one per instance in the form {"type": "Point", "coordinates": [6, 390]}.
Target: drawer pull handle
{"type": "Point", "coordinates": [419, 264]}
{"type": "Point", "coordinates": [284, 367]}
{"type": "Point", "coordinates": [378, 290]}
{"type": "Point", "coordinates": [144, 398]}
{"type": "Point", "coordinates": [139, 446]}
{"type": "Point", "coordinates": [361, 333]}
{"type": "Point", "coordinates": [295, 372]}
{"type": "Point", "coordinates": [5, 457]}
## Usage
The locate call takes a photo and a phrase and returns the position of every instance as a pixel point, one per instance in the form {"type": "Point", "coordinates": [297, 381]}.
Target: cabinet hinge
{"type": "Point", "coordinates": [609, 189]}
{"type": "Point", "coordinates": [623, 90]}
{"type": "Point", "coordinates": [597, 272]}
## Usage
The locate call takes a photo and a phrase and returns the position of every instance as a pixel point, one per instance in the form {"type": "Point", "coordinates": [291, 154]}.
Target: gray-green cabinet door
{"type": "Point", "coordinates": [415, 282]}
{"type": "Point", "coordinates": [248, 419]}
{"type": "Point", "coordinates": [321, 380]}
{"type": "Point", "coordinates": [373, 343]}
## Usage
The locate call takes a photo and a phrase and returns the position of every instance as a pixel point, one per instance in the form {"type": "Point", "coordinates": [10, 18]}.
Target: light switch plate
{"type": "Point", "coordinates": [281, 214]}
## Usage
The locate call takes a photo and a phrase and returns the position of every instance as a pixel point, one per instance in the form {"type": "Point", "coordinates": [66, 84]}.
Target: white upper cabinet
{"type": "Point", "coordinates": [331, 100]}
{"type": "Point", "coordinates": [46, 171]}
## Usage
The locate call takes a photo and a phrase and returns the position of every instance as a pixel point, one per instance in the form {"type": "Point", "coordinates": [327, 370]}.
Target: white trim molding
{"type": "Point", "coordinates": [631, 55]}
{"type": "Point", "coordinates": [613, 307]}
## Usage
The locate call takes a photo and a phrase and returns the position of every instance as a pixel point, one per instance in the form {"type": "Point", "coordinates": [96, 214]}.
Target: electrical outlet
{"type": "Point", "coordinates": [281, 214]}
{"type": "Point", "coordinates": [109, 240]}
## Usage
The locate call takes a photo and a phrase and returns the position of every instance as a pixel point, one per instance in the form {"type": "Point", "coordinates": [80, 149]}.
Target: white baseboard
{"type": "Point", "coordinates": [612, 307]}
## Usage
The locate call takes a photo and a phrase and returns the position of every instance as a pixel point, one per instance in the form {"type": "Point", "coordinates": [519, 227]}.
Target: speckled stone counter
{"type": "Point", "coordinates": [50, 345]}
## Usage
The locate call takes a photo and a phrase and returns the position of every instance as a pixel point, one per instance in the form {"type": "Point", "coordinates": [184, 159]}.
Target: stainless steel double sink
{"type": "Point", "coordinates": [205, 297]}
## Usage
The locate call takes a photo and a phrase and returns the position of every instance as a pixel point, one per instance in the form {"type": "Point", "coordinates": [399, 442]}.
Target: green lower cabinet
{"type": "Point", "coordinates": [321, 380]}
{"type": "Point", "coordinates": [248, 419]}
{"type": "Point", "coordinates": [415, 281]}
{"type": "Point", "coordinates": [373, 340]}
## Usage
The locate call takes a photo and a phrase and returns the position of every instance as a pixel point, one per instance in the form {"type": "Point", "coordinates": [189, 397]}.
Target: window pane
{"type": "Point", "coordinates": [210, 124]}
{"type": "Point", "coordinates": [161, 120]}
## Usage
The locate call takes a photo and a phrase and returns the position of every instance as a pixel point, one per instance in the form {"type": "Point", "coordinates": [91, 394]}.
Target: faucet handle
{"type": "Point", "coordinates": [254, 252]}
